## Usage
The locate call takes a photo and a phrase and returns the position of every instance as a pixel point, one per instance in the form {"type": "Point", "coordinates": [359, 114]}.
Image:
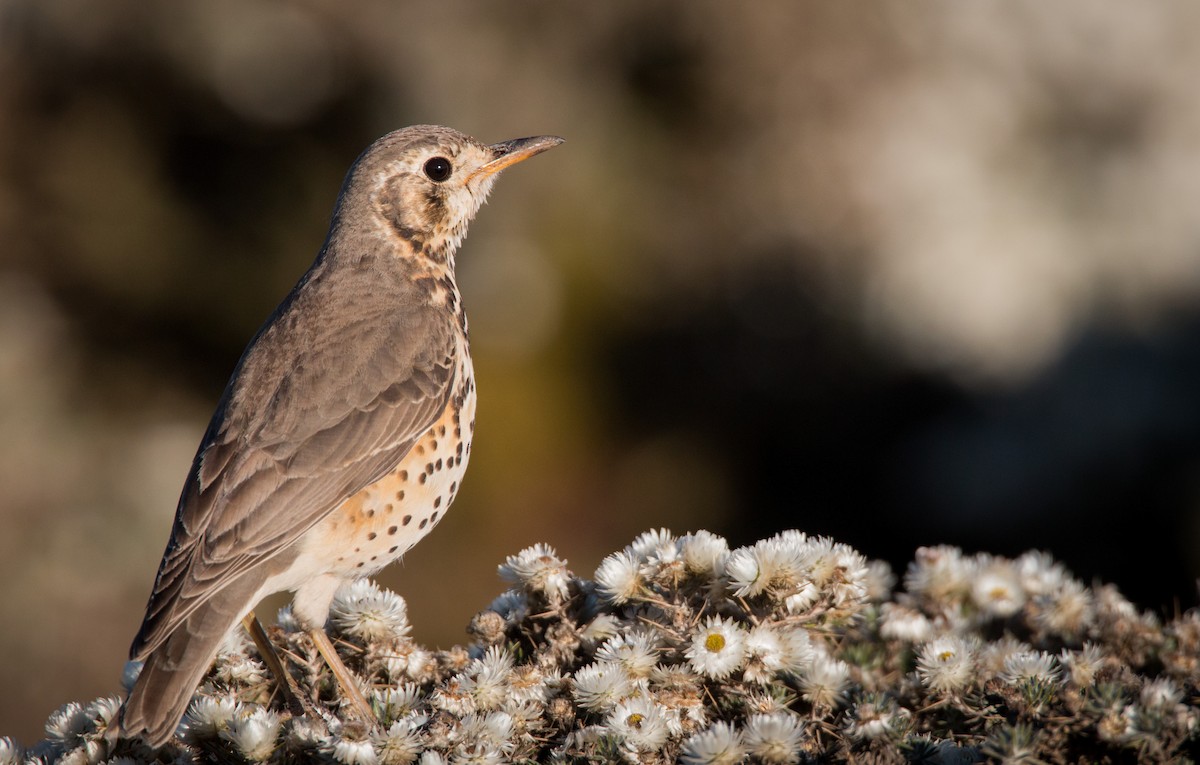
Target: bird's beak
{"type": "Point", "coordinates": [514, 151]}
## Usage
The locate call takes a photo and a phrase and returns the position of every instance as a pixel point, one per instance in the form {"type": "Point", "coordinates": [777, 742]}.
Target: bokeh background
{"type": "Point", "coordinates": [901, 273]}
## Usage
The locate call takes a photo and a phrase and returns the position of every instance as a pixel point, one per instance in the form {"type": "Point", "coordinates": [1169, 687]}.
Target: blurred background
{"type": "Point", "coordinates": [898, 273]}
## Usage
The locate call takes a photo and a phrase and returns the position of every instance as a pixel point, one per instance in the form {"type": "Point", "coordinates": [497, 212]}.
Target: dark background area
{"type": "Point", "coordinates": [903, 275]}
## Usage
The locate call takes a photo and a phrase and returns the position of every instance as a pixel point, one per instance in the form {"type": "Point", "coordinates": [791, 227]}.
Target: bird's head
{"type": "Point", "coordinates": [424, 184]}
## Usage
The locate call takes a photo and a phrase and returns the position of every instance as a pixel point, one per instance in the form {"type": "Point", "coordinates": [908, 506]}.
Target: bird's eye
{"type": "Point", "coordinates": [438, 169]}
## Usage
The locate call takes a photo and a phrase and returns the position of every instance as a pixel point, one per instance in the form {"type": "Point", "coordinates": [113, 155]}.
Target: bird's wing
{"type": "Point", "coordinates": [318, 409]}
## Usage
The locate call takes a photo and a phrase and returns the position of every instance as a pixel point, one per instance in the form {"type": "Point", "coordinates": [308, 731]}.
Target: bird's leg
{"type": "Point", "coordinates": [271, 658]}
{"type": "Point", "coordinates": [344, 678]}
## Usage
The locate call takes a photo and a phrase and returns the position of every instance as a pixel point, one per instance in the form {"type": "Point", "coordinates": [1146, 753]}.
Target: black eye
{"type": "Point", "coordinates": [438, 169]}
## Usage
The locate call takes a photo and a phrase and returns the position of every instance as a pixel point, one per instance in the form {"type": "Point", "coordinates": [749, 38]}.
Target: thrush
{"type": "Point", "coordinates": [343, 434]}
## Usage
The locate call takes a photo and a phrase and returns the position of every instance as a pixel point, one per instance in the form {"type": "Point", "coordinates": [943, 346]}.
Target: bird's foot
{"type": "Point", "coordinates": [345, 680]}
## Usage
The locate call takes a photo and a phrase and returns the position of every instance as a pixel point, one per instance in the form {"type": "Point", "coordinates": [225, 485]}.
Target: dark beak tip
{"type": "Point", "coordinates": [539, 143]}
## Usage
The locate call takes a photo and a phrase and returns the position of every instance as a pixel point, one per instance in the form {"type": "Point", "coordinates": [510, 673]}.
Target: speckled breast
{"type": "Point", "coordinates": [384, 520]}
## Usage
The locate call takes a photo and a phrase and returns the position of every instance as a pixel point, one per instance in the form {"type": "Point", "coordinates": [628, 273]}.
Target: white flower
{"type": "Point", "coordinates": [906, 624]}
{"type": "Point", "coordinates": [619, 577]}
{"type": "Point", "coordinates": [1039, 574]}
{"type": "Point", "coordinates": [366, 611]}
{"type": "Point", "coordinates": [1161, 694]}
{"type": "Point", "coordinates": [837, 569]}
{"type": "Point", "coordinates": [1030, 666]}
{"type": "Point", "coordinates": [879, 581]}
{"type": "Point", "coordinates": [655, 543]}
{"type": "Point", "coordinates": [637, 652]}
{"type": "Point", "coordinates": [454, 697]}
{"type": "Point", "coordinates": [420, 665]}
{"type": "Point", "coordinates": [11, 753]}
{"type": "Point", "coordinates": [748, 571]}
{"type": "Point", "coordinates": [1082, 665]}
{"type": "Point", "coordinates": [705, 553]}
{"type": "Point", "coordinates": [639, 723]}
{"type": "Point", "coordinates": [486, 680]}
{"type": "Point", "coordinates": [718, 648]}
{"type": "Point", "coordinates": [255, 734]}
{"type": "Point", "coordinates": [401, 743]}
{"type": "Point", "coordinates": [483, 738]}
{"type": "Point", "coordinates": [997, 589]}
{"type": "Point", "coordinates": [104, 710]}
{"type": "Point", "coordinates": [430, 757]}
{"type": "Point", "coordinates": [239, 669]}
{"type": "Point", "coordinates": [209, 715]}
{"type": "Point", "coordinates": [601, 685]}
{"type": "Point", "coordinates": [780, 560]}
{"type": "Point", "coordinates": [528, 682]}
{"type": "Point", "coordinates": [601, 628]}
{"type": "Point", "coordinates": [802, 598]}
{"type": "Point", "coordinates": [353, 751]}
{"type": "Point", "coordinates": [539, 569]}
{"type": "Point", "coordinates": [990, 659]}
{"type": "Point", "coordinates": [940, 574]}
{"type": "Point", "coordinates": [66, 727]}
{"type": "Point", "coordinates": [874, 718]}
{"type": "Point", "coordinates": [823, 682]}
{"type": "Point", "coordinates": [946, 664]}
{"type": "Point", "coordinates": [773, 649]}
{"type": "Point", "coordinates": [395, 702]}
{"type": "Point", "coordinates": [774, 738]}
{"type": "Point", "coordinates": [1067, 610]}
{"type": "Point", "coordinates": [719, 745]}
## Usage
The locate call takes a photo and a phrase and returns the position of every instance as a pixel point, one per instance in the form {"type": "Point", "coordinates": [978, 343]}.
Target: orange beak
{"type": "Point", "coordinates": [514, 151]}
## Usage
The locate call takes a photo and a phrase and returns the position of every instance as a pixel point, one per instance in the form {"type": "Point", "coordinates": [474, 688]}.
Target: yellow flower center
{"type": "Point", "coordinates": [635, 720]}
{"type": "Point", "coordinates": [715, 642]}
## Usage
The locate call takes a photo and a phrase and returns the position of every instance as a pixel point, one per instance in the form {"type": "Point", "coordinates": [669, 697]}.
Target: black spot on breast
{"type": "Point", "coordinates": [424, 522]}
{"type": "Point", "coordinates": [438, 465]}
{"type": "Point", "coordinates": [393, 549]}
{"type": "Point", "coordinates": [407, 519]}
{"type": "Point", "coordinates": [371, 536]}
{"type": "Point", "coordinates": [393, 529]}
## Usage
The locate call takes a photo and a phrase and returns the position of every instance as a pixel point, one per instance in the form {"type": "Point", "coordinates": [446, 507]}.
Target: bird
{"type": "Point", "coordinates": [345, 429]}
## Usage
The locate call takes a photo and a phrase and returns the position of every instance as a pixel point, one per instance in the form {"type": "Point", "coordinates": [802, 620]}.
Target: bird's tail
{"type": "Point", "coordinates": [175, 668]}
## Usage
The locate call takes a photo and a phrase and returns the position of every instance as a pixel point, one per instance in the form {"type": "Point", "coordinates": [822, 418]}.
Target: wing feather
{"type": "Point", "coordinates": [318, 408]}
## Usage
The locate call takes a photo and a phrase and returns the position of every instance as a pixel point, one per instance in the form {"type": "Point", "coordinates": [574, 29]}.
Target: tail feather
{"type": "Point", "coordinates": [174, 669]}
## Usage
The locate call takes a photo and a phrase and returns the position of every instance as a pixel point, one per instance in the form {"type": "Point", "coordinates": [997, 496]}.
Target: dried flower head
{"type": "Point", "coordinates": [721, 744]}
{"type": "Point", "coordinates": [365, 610]}
{"type": "Point", "coordinates": [254, 734]}
{"type": "Point", "coordinates": [538, 569]}
{"type": "Point", "coordinates": [947, 664]}
{"type": "Point", "coordinates": [774, 738]}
